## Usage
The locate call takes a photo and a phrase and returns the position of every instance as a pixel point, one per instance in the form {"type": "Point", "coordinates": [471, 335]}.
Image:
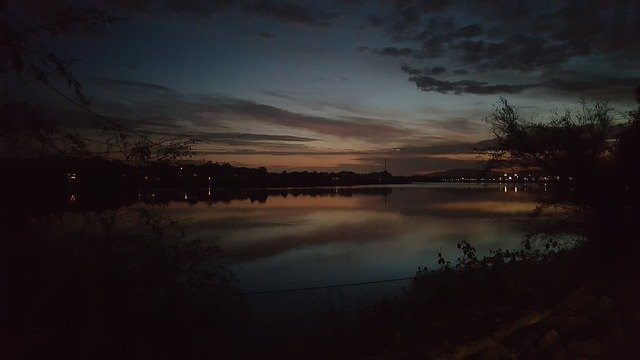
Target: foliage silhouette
{"type": "Point", "coordinates": [101, 283]}
{"type": "Point", "coordinates": [119, 283]}
{"type": "Point", "coordinates": [25, 58]}
{"type": "Point", "coordinates": [590, 157]}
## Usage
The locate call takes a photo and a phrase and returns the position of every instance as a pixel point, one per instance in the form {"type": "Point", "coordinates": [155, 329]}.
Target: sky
{"type": "Point", "coordinates": [339, 85]}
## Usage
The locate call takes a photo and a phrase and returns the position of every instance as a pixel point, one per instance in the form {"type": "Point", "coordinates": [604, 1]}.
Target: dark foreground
{"type": "Point", "coordinates": [148, 293]}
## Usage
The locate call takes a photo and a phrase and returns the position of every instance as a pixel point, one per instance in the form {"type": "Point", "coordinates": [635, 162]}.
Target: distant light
{"type": "Point", "coordinates": [185, 196]}
{"type": "Point", "coordinates": [72, 176]}
{"type": "Point", "coordinates": [509, 177]}
{"type": "Point", "coordinates": [505, 189]}
{"type": "Point", "coordinates": [209, 177]}
{"type": "Point", "coordinates": [516, 189]}
{"type": "Point", "coordinates": [505, 175]}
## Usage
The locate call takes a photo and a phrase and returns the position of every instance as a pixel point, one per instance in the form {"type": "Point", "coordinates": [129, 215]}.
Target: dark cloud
{"type": "Point", "coordinates": [517, 52]}
{"type": "Point", "coordinates": [486, 36]}
{"type": "Point", "coordinates": [435, 5]}
{"type": "Point", "coordinates": [468, 31]}
{"type": "Point", "coordinates": [394, 51]}
{"type": "Point", "coordinates": [438, 149]}
{"type": "Point", "coordinates": [169, 107]}
{"type": "Point", "coordinates": [428, 83]}
{"type": "Point", "coordinates": [266, 35]}
{"type": "Point", "coordinates": [436, 70]}
{"type": "Point", "coordinates": [280, 95]}
{"type": "Point", "coordinates": [459, 125]}
{"type": "Point", "coordinates": [292, 12]}
{"type": "Point", "coordinates": [117, 83]}
{"type": "Point", "coordinates": [304, 152]}
{"type": "Point", "coordinates": [284, 11]}
{"type": "Point", "coordinates": [209, 136]}
{"type": "Point", "coordinates": [591, 84]}
{"type": "Point", "coordinates": [607, 87]}
{"type": "Point", "coordinates": [409, 70]}
{"type": "Point", "coordinates": [375, 20]}
{"type": "Point", "coordinates": [352, 128]}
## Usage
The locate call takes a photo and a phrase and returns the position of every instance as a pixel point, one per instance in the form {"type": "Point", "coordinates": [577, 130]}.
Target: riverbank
{"type": "Point", "coordinates": [560, 307]}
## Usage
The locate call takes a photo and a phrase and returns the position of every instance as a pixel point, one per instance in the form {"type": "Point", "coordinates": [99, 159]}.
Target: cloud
{"type": "Point", "coordinates": [592, 83]}
{"type": "Point", "coordinates": [211, 136]}
{"type": "Point", "coordinates": [436, 70]}
{"type": "Point", "coordinates": [344, 128]}
{"type": "Point", "coordinates": [557, 80]}
{"type": "Point", "coordinates": [283, 11]}
{"type": "Point", "coordinates": [291, 12]}
{"type": "Point", "coordinates": [428, 83]}
{"type": "Point", "coordinates": [515, 38]}
{"type": "Point", "coordinates": [303, 152]}
{"type": "Point", "coordinates": [438, 149]}
{"type": "Point", "coordinates": [396, 52]}
{"type": "Point", "coordinates": [118, 83]}
{"type": "Point", "coordinates": [375, 20]}
{"type": "Point", "coordinates": [146, 103]}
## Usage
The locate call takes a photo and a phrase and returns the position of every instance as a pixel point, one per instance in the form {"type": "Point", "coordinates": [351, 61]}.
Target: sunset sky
{"type": "Point", "coordinates": [342, 85]}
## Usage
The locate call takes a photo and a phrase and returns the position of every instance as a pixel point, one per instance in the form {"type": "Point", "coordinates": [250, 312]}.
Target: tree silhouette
{"type": "Point", "coordinates": [25, 58]}
{"type": "Point", "coordinates": [589, 159]}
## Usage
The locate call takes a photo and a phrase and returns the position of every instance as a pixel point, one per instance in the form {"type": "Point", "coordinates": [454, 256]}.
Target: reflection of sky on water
{"type": "Point", "coordinates": [304, 241]}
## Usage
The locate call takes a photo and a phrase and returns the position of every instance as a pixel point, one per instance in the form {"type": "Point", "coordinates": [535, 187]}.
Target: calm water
{"type": "Point", "coordinates": [316, 237]}
{"type": "Point", "coordinates": [299, 238]}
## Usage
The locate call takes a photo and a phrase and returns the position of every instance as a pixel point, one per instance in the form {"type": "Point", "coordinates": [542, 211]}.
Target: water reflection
{"type": "Point", "coordinates": [283, 238]}
{"type": "Point", "coordinates": [313, 237]}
